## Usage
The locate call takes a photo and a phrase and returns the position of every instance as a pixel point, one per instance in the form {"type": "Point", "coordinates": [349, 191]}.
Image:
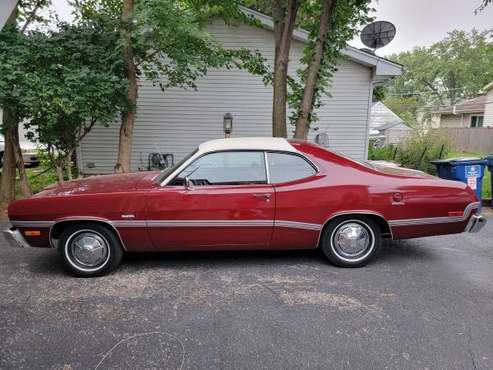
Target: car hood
{"type": "Point", "coordinates": [102, 184]}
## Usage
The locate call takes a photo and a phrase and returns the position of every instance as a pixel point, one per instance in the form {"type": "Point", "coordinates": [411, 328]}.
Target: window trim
{"type": "Point", "coordinates": [194, 157]}
{"type": "Point", "coordinates": [185, 165]}
{"type": "Point", "coordinates": [310, 163]}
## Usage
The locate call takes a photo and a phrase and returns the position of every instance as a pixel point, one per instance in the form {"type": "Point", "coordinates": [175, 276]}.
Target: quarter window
{"type": "Point", "coordinates": [285, 167]}
{"type": "Point", "coordinates": [226, 168]}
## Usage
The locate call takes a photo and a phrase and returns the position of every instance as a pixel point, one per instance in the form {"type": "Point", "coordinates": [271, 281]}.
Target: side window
{"type": "Point", "coordinates": [226, 168]}
{"type": "Point", "coordinates": [288, 167]}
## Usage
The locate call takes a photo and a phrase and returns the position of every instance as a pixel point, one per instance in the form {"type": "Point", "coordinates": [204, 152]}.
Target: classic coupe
{"type": "Point", "coordinates": [245, 193]}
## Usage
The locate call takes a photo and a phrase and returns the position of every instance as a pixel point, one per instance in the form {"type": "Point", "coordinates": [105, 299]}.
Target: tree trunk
{"type": "Point", "coordinates": [25, 187]}
{"type": "Point", "coordinates": [284, 22]}
{"type": "Point", "coordinates": [7, 189]}
{"type": "Point", "coordinates": [306, 105]}
{"type": "Point", "coordinates": [59, 170]}
{"type": "Point", "coordinates": [68, 165]}
{"type": "Point", "coordinates": [124, 160]}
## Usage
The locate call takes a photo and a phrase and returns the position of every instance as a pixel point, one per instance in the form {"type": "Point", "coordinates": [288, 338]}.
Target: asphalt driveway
{"type": "Point", "coordinates": [425, 303]}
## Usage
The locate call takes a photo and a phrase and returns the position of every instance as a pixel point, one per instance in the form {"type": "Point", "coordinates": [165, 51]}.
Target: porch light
{"type": "Point", "coordinates": [227, 124]}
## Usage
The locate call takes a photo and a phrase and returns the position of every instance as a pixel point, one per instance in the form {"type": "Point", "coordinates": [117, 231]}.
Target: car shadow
{"type": "Point", "coordinates": [50, 263]}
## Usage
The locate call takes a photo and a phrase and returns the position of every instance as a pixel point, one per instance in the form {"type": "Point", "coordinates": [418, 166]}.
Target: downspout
{"type": "Point", "coordinates": [368, 114]}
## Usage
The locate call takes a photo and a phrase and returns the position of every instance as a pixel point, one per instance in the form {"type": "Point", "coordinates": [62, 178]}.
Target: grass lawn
{"type": "Point", "coordinates": [487, 174]}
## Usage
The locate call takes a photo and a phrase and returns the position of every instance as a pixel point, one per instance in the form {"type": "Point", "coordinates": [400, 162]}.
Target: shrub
{"type": "Point", "coordinates": [417, 151]}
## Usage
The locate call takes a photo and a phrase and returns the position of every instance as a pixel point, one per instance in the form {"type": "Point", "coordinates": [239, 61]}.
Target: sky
{"type": "Point", "coordinates": [418, 22]}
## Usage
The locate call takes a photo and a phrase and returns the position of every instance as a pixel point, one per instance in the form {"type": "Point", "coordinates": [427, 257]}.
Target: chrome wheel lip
{"type": "Point", "coordinates": [358, 257]}
{"type": "Point", "coordinates": [76, 262]}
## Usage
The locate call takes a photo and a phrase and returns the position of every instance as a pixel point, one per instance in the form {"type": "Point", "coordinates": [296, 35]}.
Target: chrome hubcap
{"type": "Point", "coordinates": [351, 240]}
{"type": "Point", "coordinates": [89, 249]}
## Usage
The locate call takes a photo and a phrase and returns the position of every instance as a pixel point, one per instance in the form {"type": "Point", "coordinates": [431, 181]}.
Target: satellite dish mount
{"type": "Point", "coordinates": [378, 34]}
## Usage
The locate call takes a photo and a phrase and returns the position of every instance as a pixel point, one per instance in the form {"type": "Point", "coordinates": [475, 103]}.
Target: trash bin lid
{"type": "Point", "coordinates": [489, 158]}
{"type": "Point", "coordinates": [460, 161]}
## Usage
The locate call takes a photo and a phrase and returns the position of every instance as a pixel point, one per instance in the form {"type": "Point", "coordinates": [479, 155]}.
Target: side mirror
{"type": "Point", "coordinates": [188, 183]}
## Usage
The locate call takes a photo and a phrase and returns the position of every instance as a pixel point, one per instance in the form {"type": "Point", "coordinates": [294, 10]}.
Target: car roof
{"type": "Point", "coordinates": [247, 143]}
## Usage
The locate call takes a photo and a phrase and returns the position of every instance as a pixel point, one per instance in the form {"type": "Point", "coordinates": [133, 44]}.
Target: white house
{"type": "Point", "coordinates": [177, 120]}
{"type": "Point", "coordinates": [386, 126]}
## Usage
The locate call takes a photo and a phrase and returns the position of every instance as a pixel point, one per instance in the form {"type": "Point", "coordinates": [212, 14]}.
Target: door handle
{"type": "Point", "coordinates": [265, 196]}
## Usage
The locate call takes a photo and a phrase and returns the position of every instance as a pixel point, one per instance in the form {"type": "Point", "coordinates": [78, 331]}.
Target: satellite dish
{"type": "Point", "coordinates": [378, 34]}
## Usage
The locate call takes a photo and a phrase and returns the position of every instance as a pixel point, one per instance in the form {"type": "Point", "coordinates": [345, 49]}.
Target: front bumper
{"type": "Point", "coordinates": [476, 223]}
{"type": "Point", "coordinates": [15, 238]}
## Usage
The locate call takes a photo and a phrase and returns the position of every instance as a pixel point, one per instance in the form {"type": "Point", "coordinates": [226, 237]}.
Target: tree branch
{"type": "Point", "coordinates": [31, 16]}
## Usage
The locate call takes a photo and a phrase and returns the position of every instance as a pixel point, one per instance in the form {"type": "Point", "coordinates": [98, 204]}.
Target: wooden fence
{"type": "Point", "coordinates": [469, 139]}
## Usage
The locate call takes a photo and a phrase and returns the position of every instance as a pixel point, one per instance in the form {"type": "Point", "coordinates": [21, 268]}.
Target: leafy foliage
{"type": "Point", "coordinates": [348, 17]}
{"type": "Point", "coordinates": [448, 71]}
{"type": "Point", "coordinates": [168, 38]}
{"type": "Point", "coordinates": [417, 151]}
{"type": "Point", "coordinates": [62, 82]}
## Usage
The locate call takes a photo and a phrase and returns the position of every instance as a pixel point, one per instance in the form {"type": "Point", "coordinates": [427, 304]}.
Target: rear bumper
{"type": "Point", "coordinates": [476, 223]}
{"type": "Point", "coordinates": [15, 238]}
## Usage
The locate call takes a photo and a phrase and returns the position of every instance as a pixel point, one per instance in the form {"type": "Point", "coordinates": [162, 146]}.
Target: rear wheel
{"type": "Point", "coordinates": [90, 249]}
{"type": "Point", "coordinates": [351, 241]}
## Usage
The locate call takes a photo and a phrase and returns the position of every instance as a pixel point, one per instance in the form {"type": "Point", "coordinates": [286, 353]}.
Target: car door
{"type": "Point", "coordinates": [228, 205]}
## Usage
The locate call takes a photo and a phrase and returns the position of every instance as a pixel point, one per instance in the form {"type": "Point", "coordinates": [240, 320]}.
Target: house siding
{"type": "Point", "coordinates": [177, 120]}
{"type": "Point", "coordinates": [488, 109]}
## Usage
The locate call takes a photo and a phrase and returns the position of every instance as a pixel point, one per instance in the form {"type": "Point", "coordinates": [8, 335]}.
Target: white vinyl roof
{"type": "Point", "coordinates": [247, 143]}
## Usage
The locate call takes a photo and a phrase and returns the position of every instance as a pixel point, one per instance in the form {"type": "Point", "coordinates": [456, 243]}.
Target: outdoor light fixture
{"type": "Point", "coordinates": [227, 124]}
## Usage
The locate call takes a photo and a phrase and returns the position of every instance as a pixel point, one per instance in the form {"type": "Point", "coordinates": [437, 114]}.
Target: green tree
{"type": "Point", "coordinates": [330, 24]}
{"type": "Point", "coordinates": [75, 80]}
{"type": "Point", "coordinates": [165, 41]}
{"type": "Point", "coordinates": [11, 96]}
{"type": "Point", "coordinates": [333, 23]}
{"type": "Point", "coordinates": [447, 72]}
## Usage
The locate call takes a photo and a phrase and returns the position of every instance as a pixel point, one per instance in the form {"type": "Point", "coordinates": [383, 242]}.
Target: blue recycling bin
{"type": "Point", "coordinates": [467, 170]}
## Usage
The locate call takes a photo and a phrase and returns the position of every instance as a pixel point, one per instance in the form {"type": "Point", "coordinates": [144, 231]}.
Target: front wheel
{"type": "Point", "coordinates": [351, 241]}
{"type": "Point", "coordinates": [90, 249]}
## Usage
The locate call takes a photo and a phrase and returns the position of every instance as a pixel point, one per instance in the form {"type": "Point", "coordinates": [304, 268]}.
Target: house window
{"type": "Point", "coordinates": [477, 121]}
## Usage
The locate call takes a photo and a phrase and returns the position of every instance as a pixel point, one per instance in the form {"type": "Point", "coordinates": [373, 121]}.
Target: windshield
{"type": "Point", "coordinates": [165, 173]}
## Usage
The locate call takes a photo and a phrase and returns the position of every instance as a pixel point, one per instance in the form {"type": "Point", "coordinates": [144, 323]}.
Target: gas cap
{"type": "Point", "coordinates": [397, 197]}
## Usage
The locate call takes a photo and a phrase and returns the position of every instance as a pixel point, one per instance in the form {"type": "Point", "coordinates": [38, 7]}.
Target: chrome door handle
{"type": "Point", "coordinates": [265, 196]}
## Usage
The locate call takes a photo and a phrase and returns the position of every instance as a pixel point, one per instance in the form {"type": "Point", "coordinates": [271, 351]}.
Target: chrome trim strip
{"type": "Point", "coordinates": [87, 218]}
{"type": "Point", "coordinates": [267, 173]}
{"type": "Point", "coordinates": [436, 220]}
{"type": "Point", "coordinates": [32, 223]}
{"type": "Point", "coordinates": [361, 212]}
{"type": "Point", "coordinates": [298, 225]}
{"type": "Point", "coordinates": [217, 223]}
{"type": "Point", "coordinates": [210, 223]}
{"type": "Point", "coordinates": [129, 223]}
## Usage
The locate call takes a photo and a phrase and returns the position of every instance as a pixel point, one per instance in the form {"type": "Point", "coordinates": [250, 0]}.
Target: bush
{"type": "Point", "coordinates": [417, 151]}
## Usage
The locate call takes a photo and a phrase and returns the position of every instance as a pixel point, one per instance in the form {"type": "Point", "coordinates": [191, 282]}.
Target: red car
{"type": "Point", "coordinates": [236, 194]}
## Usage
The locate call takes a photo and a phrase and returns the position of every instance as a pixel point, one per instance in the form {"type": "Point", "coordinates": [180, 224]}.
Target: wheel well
{"type": "Point", "coordinates": [379, 220]}
{"type": "Point", "coordinates": [57, 229]}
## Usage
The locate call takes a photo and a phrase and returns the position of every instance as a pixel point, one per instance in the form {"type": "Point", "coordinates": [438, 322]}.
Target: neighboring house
{"type": "Point", "coordinates": [488, 105]}
{"type": "Point", "coordinates": [386, 126]}
{"type": "Point", "coordinates": [471, 113]}
{"type": "Point", "coordinates": [177, 120]}
{"type": "Point", "coordinates": [29, 149]}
